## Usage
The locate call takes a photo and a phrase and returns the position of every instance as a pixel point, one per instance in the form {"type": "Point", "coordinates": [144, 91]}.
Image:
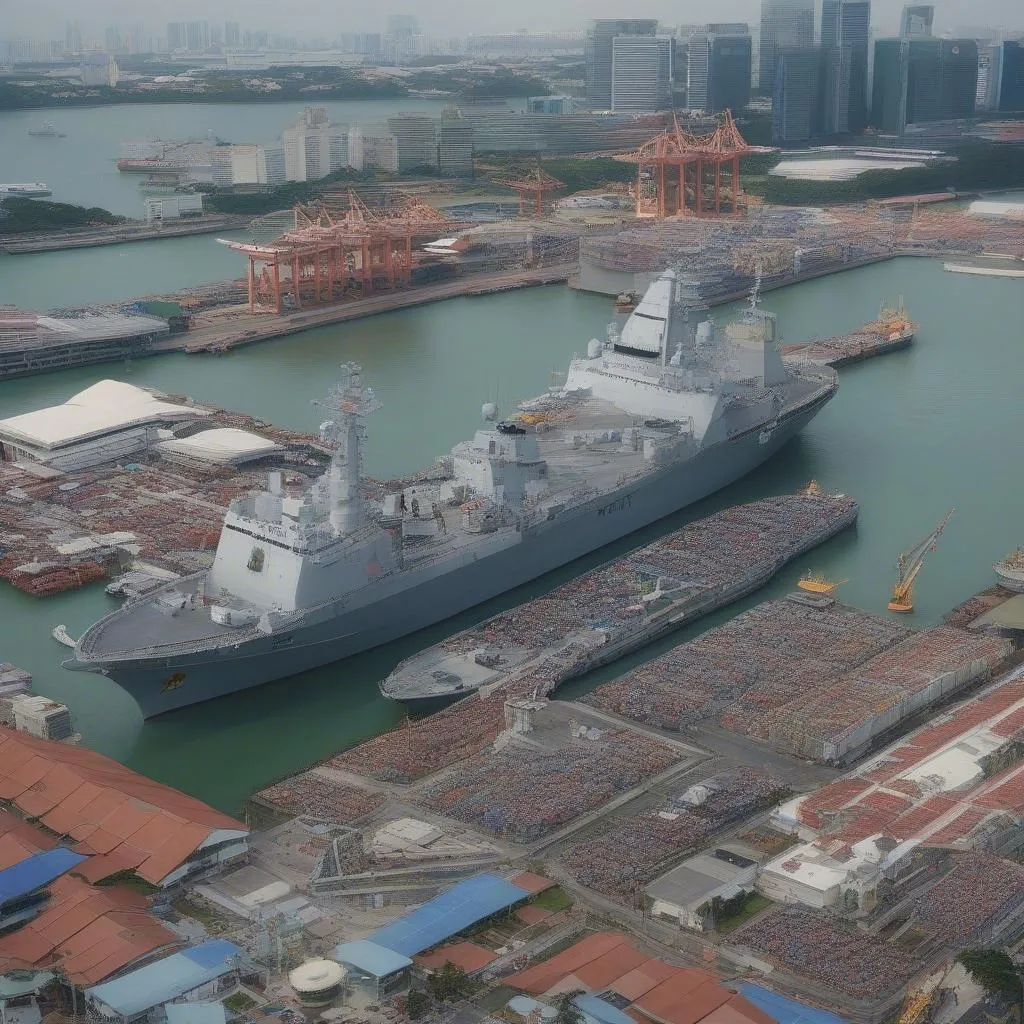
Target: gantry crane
{"type": "Point", "coordinates": [909, 564]}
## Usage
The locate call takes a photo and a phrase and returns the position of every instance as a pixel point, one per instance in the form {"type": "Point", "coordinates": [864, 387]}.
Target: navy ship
{"type": "Point", "coordinates": [648, 421]}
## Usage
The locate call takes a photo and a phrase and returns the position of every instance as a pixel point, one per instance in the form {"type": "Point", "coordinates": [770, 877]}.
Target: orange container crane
{"type": "Point", "coordinates": [909, 564]}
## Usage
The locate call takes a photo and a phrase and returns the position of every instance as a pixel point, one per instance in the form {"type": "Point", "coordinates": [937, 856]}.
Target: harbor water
{"type": "Point", "coordinates": [910, 435]}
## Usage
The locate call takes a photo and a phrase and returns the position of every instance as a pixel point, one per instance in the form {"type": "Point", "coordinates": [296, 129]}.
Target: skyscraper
{"type": "Point", "coordinates": [598, 50]}
{"type": "Point", "coordinates": [794, 92]}
{"type": "Point", "coordinates": [917, 20]}
{"type": "Point", "coordinates": [232, 33]}
{"type": "Point", "coordinates": [845, 27]}
{"type": "Point", "coordinates": [785, 25]}
{"type": "Point", "coordinates": [175, 35]}
{"type": "Point", "coordinates": [455, 144]}
{"type": "Point", "coordinates": [923, 79]}
{"type": "Point", "coordinates": [73, 37]}
{"type": "Point", "coordinates": [719, 68]}
{"type": "Point", "coordinates": [1005, 70]}
{"type": "Point", "coordinates": [641, 73]}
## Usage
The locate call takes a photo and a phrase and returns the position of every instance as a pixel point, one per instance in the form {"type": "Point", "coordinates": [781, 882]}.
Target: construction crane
{"type": "Point", "coordinates": [909, 564]}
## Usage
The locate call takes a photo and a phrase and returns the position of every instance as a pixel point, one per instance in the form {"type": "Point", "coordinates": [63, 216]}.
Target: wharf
{"type": "Point", "coordinates": [626, 604]}
{"type": "Point", "coordinates": [116, 234]}
{"type": "Point", "coordinates": [227, 328]}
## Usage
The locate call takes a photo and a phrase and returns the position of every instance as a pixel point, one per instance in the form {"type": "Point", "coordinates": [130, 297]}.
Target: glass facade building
{"type": "Point", "coordinates": [785, 25]}
{"type": "Point", "coordinates": [598, 53]}
{"type": "Point", "coordinates": [719, 68]}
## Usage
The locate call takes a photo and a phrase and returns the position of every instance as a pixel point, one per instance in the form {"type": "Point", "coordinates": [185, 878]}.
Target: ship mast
{"type": "Point", "coordinates": [348, 402]}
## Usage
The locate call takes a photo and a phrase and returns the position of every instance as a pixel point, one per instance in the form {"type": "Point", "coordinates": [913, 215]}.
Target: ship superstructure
{"type": "Point", "coordinates": [646, 422]}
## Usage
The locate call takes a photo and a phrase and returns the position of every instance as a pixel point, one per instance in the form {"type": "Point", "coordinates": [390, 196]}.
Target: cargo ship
{"type": "Point", "coordinates": [647, 422]}
{"type": "Point", "coordinates": [892, 331]}
{"type": "Point", "coordinates": [625, 605]}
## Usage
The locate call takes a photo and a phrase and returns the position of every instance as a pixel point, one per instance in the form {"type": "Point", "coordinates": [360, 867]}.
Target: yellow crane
{"type": "Point", "coordinates": [909, 564]}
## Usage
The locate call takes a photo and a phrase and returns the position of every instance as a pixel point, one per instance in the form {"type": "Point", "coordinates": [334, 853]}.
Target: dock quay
{"type": "Point", "coordinates": [624, 605]}
{"type": "Point", "coordinates": [117, 234]}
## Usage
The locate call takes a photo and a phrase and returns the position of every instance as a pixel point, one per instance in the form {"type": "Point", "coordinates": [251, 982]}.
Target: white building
{"type": "Point", "coordinates": [373, 148]}
{"type": "Point", "coordinates": [641, 73]}
{"type": "Point", "coordinates": [313, 146]}
{"type": "Point", "coordinates": [99, 69]}
{"type": "Point", "coordinates": [165, 208]}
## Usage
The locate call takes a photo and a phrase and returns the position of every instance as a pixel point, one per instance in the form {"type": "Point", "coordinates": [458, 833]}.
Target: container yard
{"type": "Point", "coordinates": [628, 852]}
{"type": "Point", "coordinates": [809, 676]}
{"type": "Point", "coordinates": [117, 473]}
{"type": "Point", "coordinates": [892, 331]}
{"type": "Point", "coordinates": [624, 605]}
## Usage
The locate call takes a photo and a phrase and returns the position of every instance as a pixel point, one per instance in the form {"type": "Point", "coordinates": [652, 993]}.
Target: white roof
{"type": "Point", "coordinates": [838, 168]}
{"type": "Point", "coordinates": [107, 406]}
{"type": "Point", "coordinates": [221, 444]}
{"type": "Point", "coordinates": [994, 208]}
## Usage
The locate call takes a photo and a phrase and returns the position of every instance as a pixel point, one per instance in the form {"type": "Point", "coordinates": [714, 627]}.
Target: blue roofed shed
{"type": "Point", "coordinates": [195, 1013]}
{"type": "Point", "coordinates": [27, 876]}
{"type": "Point", "coordinates": [376, 969]}
{"type": "Point", "coordinates": [786, 1011]}
{"type": "Point", "coordinates": [464, 904]}
{"type": "Point", "coordinates": [602, 1011]}
{"type": "Point", "coordinates": [201, 971]}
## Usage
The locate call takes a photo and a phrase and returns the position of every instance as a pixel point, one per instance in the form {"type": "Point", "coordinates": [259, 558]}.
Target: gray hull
{"type": "Point", "coordinates": [159, 685]}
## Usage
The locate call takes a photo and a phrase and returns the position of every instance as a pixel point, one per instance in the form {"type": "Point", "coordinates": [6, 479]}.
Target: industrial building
{"type": "Point", "coordinates": [641, 74]}
{"type": "Point", "coordinates": [159, 209]}
{"type": "Point", "coordinates": [598, 52]}
{"type": "Point", "coordinates": [376, 970]}
{"type": "Point", "coordinates": [127, 822]}
{"type": "Point", "coordinates": [104, 422]}
{"type": "Point", "coordinates": [922, 79]}
{"type": "Point", "coordinates": [209, 970]}
{"type": "Point", "coordinates": [718, 69]}
{"type": "Point", "coordinates": [32, 343]}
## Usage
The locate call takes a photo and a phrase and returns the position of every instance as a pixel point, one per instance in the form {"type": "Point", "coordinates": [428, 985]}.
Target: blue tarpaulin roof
{"type": "Point", "coordinates": [786, 1011]}
{"type": "Point", "coordinates": [370, 958]}
{"type": "Point", "coordinates": [195, 1013]}
{"type": "Point", "coordinates": [166, 979]}
{"type": "Point", "coordinates": [446, 915]}
{"type": "Point", "coordinates": [603, 1011]}
{"type": "Point", "coordinates": [36, 871]}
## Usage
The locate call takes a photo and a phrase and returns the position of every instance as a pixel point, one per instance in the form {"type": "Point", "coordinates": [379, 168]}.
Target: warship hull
{"type": "Point", "coordinates": [160, 683]}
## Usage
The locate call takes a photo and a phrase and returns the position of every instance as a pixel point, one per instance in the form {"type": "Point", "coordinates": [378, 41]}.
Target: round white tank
{"type": "Point", "coordinates": [317, 982]}
{"type": "Point", "coordinates": [704, 332]}
{"type": "Point", "coordinates": [594, 348]}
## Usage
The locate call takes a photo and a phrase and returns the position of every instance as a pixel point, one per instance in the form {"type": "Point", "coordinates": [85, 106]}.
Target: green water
{"type": "Point", "coordinates": [910, 435]}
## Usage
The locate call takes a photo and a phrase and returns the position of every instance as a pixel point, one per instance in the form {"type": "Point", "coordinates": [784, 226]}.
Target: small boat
{"type": "Point", "coordinates": [60, 634]}
{"type": "Point", "coordinates": [46, 131]}
{"type": "Point", "coordinates": [816, 583]}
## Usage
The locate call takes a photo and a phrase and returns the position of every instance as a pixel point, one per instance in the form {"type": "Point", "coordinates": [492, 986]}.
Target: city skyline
{"type": "Point", "coordinates": [451, 17]}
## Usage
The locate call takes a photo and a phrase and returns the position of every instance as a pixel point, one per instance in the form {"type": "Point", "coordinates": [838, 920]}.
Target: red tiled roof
{"type": "Point", "coordinates": [545, 975]}
{"type": "Point", "coordinates": [633, 984]}
{"type": "Point", "coordinates": [104, 806]}
{"type": "Point", "coordinates": [738, 1010]}
{"type": "Point", "coordinates": [467, 955]}
{"type": "Point", "coordinates": [532, 915]}
{"type": "Point", "coordinates": [532, 883]}
{"type": "Point", "coordinates": [685, 998]}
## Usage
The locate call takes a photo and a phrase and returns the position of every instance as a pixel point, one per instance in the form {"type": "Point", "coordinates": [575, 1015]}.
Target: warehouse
{"type": "Point", "coordinates": [377, 971]}
{"type": "Point", "coordinates": [219, 446]}
{"type": "Point", "coordinates": [103, 423]}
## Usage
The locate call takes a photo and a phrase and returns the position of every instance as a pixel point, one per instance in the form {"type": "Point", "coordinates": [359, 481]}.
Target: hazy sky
{"type": "Point", "coordinates": [46, 18]}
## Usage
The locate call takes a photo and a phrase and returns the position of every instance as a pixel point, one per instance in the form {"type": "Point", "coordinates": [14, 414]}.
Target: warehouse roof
{"type": "Point", "coordinates": [370, 958]}
{"type": "Point", "coordinates": [787, 1011]}
{"type": "Point", "coordinates": [123, 820]}
{"type": "Point", "coordinates": [107, 406]}
{"type": "Point", "coordinates": [167, 979]}
{"type": "Point", "coordinates": [221, 445]}
{"type": "Point", "coordinates": [195, 1013]}
{"type": "Point", "coordinates": [446, 915]}
{"type": "Point", "coordinates": [35, 871]}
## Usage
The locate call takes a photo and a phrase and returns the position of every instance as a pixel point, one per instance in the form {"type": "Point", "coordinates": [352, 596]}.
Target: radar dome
{"type": "Point", "coordinates": [489, 411]}
{"type": "Point", "coordinates": [594, 348]}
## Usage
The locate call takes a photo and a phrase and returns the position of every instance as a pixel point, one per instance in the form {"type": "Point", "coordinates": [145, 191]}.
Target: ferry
{"type": "Point", "coordinates": [29, 190]}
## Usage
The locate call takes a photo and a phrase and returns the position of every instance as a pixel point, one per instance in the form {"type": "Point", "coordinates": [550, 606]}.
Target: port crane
{"type": "Point", "coordinates": [909, 564]}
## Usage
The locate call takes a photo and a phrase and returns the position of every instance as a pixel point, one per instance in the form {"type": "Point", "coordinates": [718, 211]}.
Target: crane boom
{"type": "Point", "coordinates": [909, 565]}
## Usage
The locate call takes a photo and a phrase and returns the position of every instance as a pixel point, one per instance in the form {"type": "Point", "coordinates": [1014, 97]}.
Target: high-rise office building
{"type": "Point", "coordinates": [197, 36]}
{"type": "Point", "coordinates": [232, 33]}
{"type": "Point", "coordinates": [598, 52]}
{"type": "Point", "coordinates": [923, 79]}
{"type": "Point", "coordinates": [416, 137]}
{"type": "Point", "coordinates": [455, 144]}
{"type": "Point", "coordinates": [176, 35]}
{"type": "Point", "coordinates": [1005, 76]}
{"type": "Point", "coordinates": [785, 25]}
{"type": "Point", "coordinates": [73, 37]}
{"type": "Point", "coordinates": [845, 34]}
{"type": "Point", "coordinates": [372, 147]}
{"type": "Point", "coordinates": [917, 20]}
{"type": "Point", "coordinates": [641, 73]}
{"type": "Point", "coordinates": [718, 68]}
{"type": "Point", "coordinates": [794, 95]}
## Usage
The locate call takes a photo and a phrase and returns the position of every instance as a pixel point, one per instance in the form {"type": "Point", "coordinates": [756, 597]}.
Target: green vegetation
{"type": "Point", "coordinates": [450, 984]}
{"type": "Point", "coordinates": [37, 215]}
{"type": "Point", "coordinates": [554, 899]}
{"type": "Point", "coordinates": [994, 970]}
{"type": "Point", "coordinates": [979, 165]}
{"type": "Point", "coordinates": [416, 1004]}
{"type": "Point", "coordinates": [239, 1002]}
{"type": "Point", "coordinates": [727, 915]}
{"type": "Point", "coordinates": [566, 1010]}
{"type": "Point", "coordinates": [129, 880]}
{"type": "Point", "coordinates": [281, 197]}
{"type": "Point", "coordinates": [212, 922]}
